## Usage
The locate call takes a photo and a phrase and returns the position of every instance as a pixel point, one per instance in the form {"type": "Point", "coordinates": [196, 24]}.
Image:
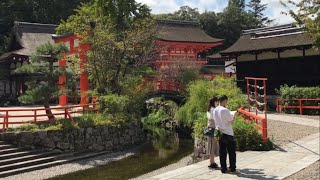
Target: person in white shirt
{"type": "Point", "coordinates": [223, 120]}
{"type": "Point", "coordinates": [213, 145]}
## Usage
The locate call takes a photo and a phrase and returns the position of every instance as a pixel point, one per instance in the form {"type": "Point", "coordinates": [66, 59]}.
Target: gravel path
{"type": "Point", "coordinates": [314, 117]}
{"type": "Point", "coordinates": [311, 172]}
{"type": "Point", "coordinates": [282, 133]}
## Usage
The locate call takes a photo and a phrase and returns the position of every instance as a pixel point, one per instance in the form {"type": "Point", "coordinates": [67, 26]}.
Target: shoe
{"type": "Point", "coordinates": [224, 171]}
{"type": "Point", "coordinates": [234, 171]}
{"type": "Point", "coordinates": [213, 165]}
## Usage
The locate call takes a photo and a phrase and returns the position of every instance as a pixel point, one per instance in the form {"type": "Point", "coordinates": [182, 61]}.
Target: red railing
{"type": "Point", "coordinates": [33, 115]}
{"type": "Point", "coordinates": [300, 106]}
{"type": "Point", "coordinates": [260, 122]}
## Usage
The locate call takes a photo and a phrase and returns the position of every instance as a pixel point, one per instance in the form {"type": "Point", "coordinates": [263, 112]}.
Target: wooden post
{"type": "Point", "coordinates": [265, 99]}
{"type": "Point", "coordinates": [301, 109]}
{"type": "Point", "coordinates": [248, 92]}
{"type": "Point", "coordinates": [255, 95]}
{"type": "Point", "coordinates": [7, 119]}
{"type": "Point", "coordinates": [278, 103]}
{"type": "Point", "coordinates": [35, 116]}
{"type": "Point", "coordinates": [65, 113]}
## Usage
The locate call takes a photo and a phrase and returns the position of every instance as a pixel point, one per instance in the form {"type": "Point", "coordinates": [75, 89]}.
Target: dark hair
{"type": "Point", "coordinates": [212, 102]}
{"type": "Point", "coordinates": [223, 98]}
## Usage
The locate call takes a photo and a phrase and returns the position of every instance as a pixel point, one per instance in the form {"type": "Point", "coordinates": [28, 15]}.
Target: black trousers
{"type": "Point", "coordinates": [227, 145]}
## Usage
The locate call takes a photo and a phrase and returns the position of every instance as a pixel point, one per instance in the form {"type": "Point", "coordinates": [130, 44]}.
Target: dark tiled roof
{"type": "Point", "coordinates": [279, 37]}
{"type": "Point", "coordinates": [183, 31]}
{"type": "Point", "coordinates": [29, 36]}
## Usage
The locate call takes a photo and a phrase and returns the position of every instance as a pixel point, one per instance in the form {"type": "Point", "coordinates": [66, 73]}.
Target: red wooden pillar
{"type": "Point", "coordinates": [62, 80]}
{"type": "Point", "coordinates": [84, 82]}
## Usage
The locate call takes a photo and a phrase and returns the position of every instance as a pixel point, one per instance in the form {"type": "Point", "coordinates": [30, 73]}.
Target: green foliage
{"type": "Point", "coordinates": [293, 92]}
{"type": "Point", "coordinates": [201, 91]}
{"type": "Point", "coordinates": [42, 90]}
{"type": "Point", "coordinates": [156, 117]}
{"type": "Point", "coordinates": [185, 13]}
{"type": "Point", "coordinates": [257, 9]}
{"type": "Point", "coordinates": [87, 120]}
{"type": "Point", "coordinates": [199, 125]}
{"type": "Point", "coordinates": [122, 36]}
{"type": "Point", "coordinates": [248, 137]}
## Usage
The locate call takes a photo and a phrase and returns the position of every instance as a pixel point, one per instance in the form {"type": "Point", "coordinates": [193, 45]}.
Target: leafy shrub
{"type": "Point", "coordinates": [28, 127]}
{"type": "Point", "coordinates": [199, 125]}
{"type": "Point", "coordinates": [248, 137]}
{"type": "Point", "coordinates": [199, 94]}
{"type": "Point", "coordinates": [156, 117]}
{"type": "Point", "coordinates": [293, 92]}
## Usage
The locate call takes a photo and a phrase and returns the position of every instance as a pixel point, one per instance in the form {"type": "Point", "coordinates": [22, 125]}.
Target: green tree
{"type": "Point", "coordinates": [185, 13]}
{"type": "Point", "coordinates": [239, 4]}
{"type": "Point", "coordinates": [42, 64]}
{"type": "Point", "coordinates": [257, 9]}
{"type": "Point", "coordinates": [308, 14]}
{"type": "Point", "coordinates": [115, 54]}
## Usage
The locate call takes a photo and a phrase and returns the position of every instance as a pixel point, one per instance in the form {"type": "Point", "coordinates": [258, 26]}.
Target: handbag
{"type": "Point", "coordinates": [208, 131]}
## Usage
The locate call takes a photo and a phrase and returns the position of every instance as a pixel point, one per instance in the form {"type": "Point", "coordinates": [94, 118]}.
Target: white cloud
{"type": "Point", "coordinates": [274, 12]}
{"type": "Point", "coordinates": [169, 6]}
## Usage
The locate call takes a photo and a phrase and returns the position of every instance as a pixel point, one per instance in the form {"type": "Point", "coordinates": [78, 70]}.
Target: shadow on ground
{"type": "Point", "coordinates": [255, 174]}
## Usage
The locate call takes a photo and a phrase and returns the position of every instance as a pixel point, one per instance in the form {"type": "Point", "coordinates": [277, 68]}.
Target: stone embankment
{"type": "Point", "coordinates": [100, 138]}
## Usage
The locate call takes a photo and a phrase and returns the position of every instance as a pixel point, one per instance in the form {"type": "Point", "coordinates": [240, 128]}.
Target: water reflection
{"type": "Point", "coordinates": [164, 148]}
{"type": "Point", "coordinates": [165, 141]}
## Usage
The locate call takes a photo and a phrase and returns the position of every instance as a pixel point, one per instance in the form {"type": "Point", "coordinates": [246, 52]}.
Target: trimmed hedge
{"type": "Point", "coordinates": [293, 92]}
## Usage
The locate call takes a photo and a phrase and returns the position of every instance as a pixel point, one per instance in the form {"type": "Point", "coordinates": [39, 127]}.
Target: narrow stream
{"type": "Point", "coordinates": [166, 148]}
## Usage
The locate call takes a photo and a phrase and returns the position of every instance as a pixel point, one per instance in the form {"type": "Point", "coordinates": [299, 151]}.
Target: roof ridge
{"type": "Point", "coordinates": [180, 22]}
{"type": "Point", "coordinates": [279, 27]}
{"type": "Point", "coordinates": [19, 23]}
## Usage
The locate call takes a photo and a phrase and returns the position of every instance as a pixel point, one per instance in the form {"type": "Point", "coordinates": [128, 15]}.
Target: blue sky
{"type": "Point", "coordinates": [168, 6]}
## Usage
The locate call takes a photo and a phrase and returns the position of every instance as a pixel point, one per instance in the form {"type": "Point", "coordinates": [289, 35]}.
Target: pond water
{"type": "Point", "coordinates": [165, 148]}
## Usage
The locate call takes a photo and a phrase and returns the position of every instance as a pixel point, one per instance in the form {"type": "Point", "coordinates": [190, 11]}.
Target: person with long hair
{"type": "Point", "coordinates": [213, 145]}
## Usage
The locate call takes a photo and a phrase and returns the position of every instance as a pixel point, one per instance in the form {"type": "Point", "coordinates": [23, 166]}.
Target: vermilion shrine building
{"type": "Point", "coordinates": [177, 40]}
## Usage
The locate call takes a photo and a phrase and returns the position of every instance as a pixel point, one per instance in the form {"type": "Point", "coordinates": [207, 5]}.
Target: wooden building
{"type": "Point", "coordinates": [26, 37]}
{"type": "Point", "coordinates": [283, 54]}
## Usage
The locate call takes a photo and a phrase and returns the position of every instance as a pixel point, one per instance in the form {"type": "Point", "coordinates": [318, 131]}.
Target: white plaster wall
{"type": "Point", "coordinates": [230, 69]}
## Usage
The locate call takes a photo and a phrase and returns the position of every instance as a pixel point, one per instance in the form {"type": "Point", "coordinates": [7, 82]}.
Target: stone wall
{"type": "Point", "coordinates": [100, 138]}
{"type": "Point", "coordinates": [200, 149]}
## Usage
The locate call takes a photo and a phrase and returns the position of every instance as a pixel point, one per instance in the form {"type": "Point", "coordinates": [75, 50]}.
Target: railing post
{"type": "Point", "coordinates": [7, 119]}
{"type": "Point", "coordinates": [35, 116]}
{"type": "Point", "coordinates": [248, 92]}
{"type": "Point", "coordinates": [264, 130]}
{"type": "Point", "coordinates": [255, 95]}
{"type": "Point", "coordinates": [301, 109]}
{"type": "Point", "coordinates": [4, 124]}
{"type": "Point", "coordinates": [278, 102]}
{"type": "Point", "coordinates": [65, 113]}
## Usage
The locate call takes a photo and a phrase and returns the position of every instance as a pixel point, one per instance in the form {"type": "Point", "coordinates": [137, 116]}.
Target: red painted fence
{"type": "Point", "coordinates": [300, 107]}
{"type": "Point", "coordinates": [260, 122]}
{"type": "Point", "coordinates": [33, 115]}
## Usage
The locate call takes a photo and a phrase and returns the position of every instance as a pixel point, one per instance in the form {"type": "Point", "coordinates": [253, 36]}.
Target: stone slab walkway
{"type": "Point", "coordinates": [294, 119]}
{"type": "Point", "coordinates": [290, 159]}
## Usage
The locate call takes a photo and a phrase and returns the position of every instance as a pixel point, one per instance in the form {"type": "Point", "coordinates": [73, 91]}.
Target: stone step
{"type": "Point", "coordinates": [25, 157]}
{"type": "Point", "coordinates": [5, 146]}
{"type": "Point", "coordinates": [10, 150]}
{"type": "Point", "coordinates": [15, 154]}
{"type": "Point", "coordinates": [33, 162]}
{"type": "Point", "coordinates": [69, 158]}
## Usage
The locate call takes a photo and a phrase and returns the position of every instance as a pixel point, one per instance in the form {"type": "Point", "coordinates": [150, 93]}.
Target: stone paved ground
{"type": "Point", "coordinates": [292, 158]}
{"type": "Point", "coordinates": [289, 159]}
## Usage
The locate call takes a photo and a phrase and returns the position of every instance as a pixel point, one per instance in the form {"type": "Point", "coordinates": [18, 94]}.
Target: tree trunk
{"type": "Point", "coordinates": [48, 111]}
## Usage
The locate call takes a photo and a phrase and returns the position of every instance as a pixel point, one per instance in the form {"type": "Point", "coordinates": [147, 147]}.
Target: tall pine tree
{"type": "Point", "coordinates": [257, 9]}
{"type": "Point", "coordinates": [240, 4]}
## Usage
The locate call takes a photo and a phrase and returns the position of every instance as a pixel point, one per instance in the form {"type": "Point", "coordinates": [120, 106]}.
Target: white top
{"type": "Point", "coordinates": [210, 117]}
{"type": "Point", "coordinates": [223, 120]}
